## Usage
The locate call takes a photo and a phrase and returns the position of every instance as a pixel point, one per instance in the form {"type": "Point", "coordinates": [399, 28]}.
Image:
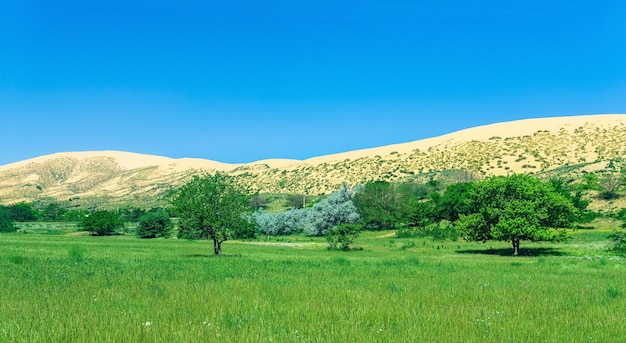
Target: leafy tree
{"type": "Point", "coordinates": [335, 209]}
{"type": "Point", "coordinates": [6, 222]}
{"type": "Point", "coordinates": [212, 207]}
{"type": "Point", "coordinates": [53, 212]}
{"type": "Point", "coordinates": [75, 215]}
{"type": "Point", "coordinates": [154, 224]}
{"type": "Point", "coordinates": [452, 203]}
{"type": "Point", "coordinates": [376, 203]}
{"type": "Point", "coordinates": [343, 234]}
{"type": "Point", "coordinates": [131, 214]}
{"type": "Point", "coordinates": [102, 223]}
{"type": "Point", "coordinates": [610, 185]}
{"type": "Point", "coordinates": [23, 212]}
{"type": "Point", "coordinates": [515, 208]}
{"type": "Point", "coordinates": [296, 200]}
{"type": "Point", "coordinates": [258, 202]}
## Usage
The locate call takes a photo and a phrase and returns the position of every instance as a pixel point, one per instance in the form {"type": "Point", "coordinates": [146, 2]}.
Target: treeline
{"type": "Point", "coordinates": [54, 212]}
{"type": "Point", "coordinates": [513, 208]}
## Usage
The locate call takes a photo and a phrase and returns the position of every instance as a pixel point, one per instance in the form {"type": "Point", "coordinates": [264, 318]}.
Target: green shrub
{"type": "Point", "coordinates": [102, 223]}
{"type": "Point", "coordinates": [154, 224]}
{"type": "Point", "coordinates": [342, 235]}
{"type": "Point", "coordinates": [619, 241]}
{"type": "Point", "coordinates": [6, 223]}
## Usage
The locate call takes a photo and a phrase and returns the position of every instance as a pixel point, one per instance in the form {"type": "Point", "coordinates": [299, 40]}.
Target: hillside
{"type": "Point", "coordinates": [560, 145]}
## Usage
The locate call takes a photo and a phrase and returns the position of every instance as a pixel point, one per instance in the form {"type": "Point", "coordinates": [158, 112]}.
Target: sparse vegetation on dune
{"type": "Point", "coordinates": [568, 147]}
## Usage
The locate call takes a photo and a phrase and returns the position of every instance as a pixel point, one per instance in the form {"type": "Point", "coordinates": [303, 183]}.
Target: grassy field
{"type": "Point", "coordinates": [56, 286]}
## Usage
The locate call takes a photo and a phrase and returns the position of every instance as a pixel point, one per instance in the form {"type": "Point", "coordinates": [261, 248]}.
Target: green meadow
{"type": "Point", "coordinates": [56, 286]}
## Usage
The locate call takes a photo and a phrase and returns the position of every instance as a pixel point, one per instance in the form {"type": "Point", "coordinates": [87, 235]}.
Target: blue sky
{"type": "Point", "coordinates": [239, 81]}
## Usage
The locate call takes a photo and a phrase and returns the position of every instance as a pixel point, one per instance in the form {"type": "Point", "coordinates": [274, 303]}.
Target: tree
{"type": "Point", "coordinates": [343, 234]}
{"type": "Point", "coordinates": [452, 203]}
{"type": "Point", "coordinates": [53, 212]}
{"type": "Point", "coordinates": [22, 212]}
{"type": "Point", "coordinates": [154, 224]}
{"type": "Point", "coordinates": [335, 209]}
{"type": "Point", "coordinates": [296, 200]}
{"type": "Point", "coordinates": [610, 186]}
{"type": "Point", "coordinates": [102, 223]}
{"type": "Point", "coordinates": [376, 203]}
{"type": "Point", "coordinates": [212, 207]}
{"type": "Point", "coordinates": [131, 214]}
{"type": "Point", "coordinates": [6, 222]}
{"type": "Point", "coordinates": [515, 208]}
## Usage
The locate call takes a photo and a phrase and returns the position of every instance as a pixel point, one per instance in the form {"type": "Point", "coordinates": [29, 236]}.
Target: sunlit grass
{"type": "Point", "coordinates": [58, 288]}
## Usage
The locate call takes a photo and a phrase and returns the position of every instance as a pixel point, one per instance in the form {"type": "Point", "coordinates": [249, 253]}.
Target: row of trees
{"type": "Point", "coordinates": [214, 207]}
{"type": "Point", "coordinates": [513, 208]}
{"type": "Point", "coordinates": [52, 212]}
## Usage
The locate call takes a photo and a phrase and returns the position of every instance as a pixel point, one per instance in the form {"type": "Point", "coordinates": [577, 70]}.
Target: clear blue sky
{"type": "Point", "coordinates": [239, 81]}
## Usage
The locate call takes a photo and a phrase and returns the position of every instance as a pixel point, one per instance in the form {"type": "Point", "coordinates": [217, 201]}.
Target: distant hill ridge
{"type": "Point", "coordinates": [111, 178]}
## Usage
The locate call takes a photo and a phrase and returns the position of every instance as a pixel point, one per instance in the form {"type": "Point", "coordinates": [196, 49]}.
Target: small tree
{"type": "Point", "coordinates": [610, 185]}
{"type": "Point", "coordinates": [343, 234]}
{"type": "Point", "coordinates": [154, 225]}
{"type": "Point", "coordinates": [212, 207]}
{"type": "Point", "coordinates": [619, 241]}
{"type": "Point", "coordinates": [102, 223]}
{"type": "Point", "coordinates": [6, 222]}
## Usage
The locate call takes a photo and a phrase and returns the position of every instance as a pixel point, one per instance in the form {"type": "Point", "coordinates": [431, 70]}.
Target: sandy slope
{"type": "Point", "coordinates": [127, 160]}
{"type": "Point", "coordinates": [503, 130]}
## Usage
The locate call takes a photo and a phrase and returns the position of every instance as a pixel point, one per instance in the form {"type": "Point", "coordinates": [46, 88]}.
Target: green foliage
{"type": "Point", "coordinates": [619, 241]}
{"type": "Point", "coordinates": [385, 206]}
{"type": "Point", "coordinates": [514, 208]}
{"type": "Point", "coordinates": [296, 201]}
{"type": "Point", "coordinates": [443, 230]}
{"type": "Point", "coordinates": [131, 214]}
{"type": "Point", "coordinates": [376, 204]}
{"type": "Point", "coordinates": [154, 225]}
{"type": "Point", "coordinates": [610, 185]}
{"type": "Point", "coordinates": [452, 203]}
{"type": "Point", "coordinates": [342, 235]}
{"type": "Point", "coordinates": [102, 223]}
{"type": "Point", "coordinates": [53, 212]}
{"type": "Point", "coordinates": [6, 222]}
{"type": "Point", "coordinates": [211, 207]}
{"type": "Point", "coordinates": [23, 212]}
{"type": "Point", "coordinates": [75, 215]}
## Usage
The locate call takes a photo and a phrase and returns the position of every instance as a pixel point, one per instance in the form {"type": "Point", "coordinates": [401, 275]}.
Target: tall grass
{"type": "Point", "coordinates": [57, 288]}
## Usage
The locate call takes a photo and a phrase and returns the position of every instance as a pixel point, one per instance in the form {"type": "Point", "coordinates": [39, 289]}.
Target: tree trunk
{"type": "Point", "coordinates": [515, 242]}
{"type": "Point", "coordinates": [217, 246]}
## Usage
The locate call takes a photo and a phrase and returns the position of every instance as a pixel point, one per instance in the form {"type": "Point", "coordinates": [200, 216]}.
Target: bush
{"type": "Point", "coordinates": [6, 223]}
{"type": "Point", "coordinates": [342, 234]}
{"type": "Point", "coordinates": [619, 241]}
{"type": "Point", "coordinates": [102, 223]}
{"type": "Point", "coordinates": [154, 225]}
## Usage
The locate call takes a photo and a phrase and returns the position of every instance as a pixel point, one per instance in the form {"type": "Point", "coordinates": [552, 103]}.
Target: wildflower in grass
{"type": "Point", "coordinates": [147, 324]}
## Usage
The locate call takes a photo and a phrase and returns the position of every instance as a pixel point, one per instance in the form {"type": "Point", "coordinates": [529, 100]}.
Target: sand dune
{"type": "Point", "coordinates": [531, 145]}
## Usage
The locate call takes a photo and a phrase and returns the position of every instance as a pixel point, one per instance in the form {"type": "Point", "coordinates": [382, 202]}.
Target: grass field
{"type": "Point", "coordinates": [56, 286]}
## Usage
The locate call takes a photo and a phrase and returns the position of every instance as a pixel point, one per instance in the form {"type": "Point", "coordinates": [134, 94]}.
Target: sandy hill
{"type": "Point", "coordinates": [546, 146]}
